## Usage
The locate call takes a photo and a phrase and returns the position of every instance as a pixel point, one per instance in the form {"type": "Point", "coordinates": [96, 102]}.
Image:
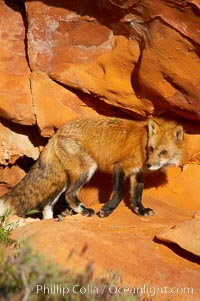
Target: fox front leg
{"type": "Point", "coordinates": [119, 183]}
{"type": "Point", "coordinates": [137, 186]}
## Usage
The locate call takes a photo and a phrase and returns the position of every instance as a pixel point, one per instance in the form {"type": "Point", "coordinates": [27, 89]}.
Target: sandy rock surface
{"type": "Point", "coordinates": [129, 245]}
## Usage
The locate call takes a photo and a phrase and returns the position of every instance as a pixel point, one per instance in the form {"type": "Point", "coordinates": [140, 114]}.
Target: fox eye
{"type": "Point", "coordinates": [151, 149]}
{"type": "Point", "coordinates": [163, 153]}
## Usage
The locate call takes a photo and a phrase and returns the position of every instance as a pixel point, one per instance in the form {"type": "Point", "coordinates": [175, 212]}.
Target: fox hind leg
{"type": "Point", "coordinates": [48, 209]}
{"type": "Point", "coordinates": [71, 195]}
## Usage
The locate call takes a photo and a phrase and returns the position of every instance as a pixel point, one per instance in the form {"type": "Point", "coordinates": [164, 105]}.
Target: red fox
{"type": "Point", "coordinates": [125, 148]}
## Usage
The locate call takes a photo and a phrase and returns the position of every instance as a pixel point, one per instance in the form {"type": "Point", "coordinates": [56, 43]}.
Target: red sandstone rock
{"type": "Point", "coordinates": [124, 3]}
{"type": "Point", "coordinates": [185, 234]}
{"type": "Point", "coordinates": [58, 35]}
{"type": "Point", "coordinates": [193, 148]}
{"type": "Point", "coordinates": [109, 77]}
{"type": "Point", "coordinates": [60, 44]}
{"type": "Point", "coordinates": [177, 187]}
{"type": "Point", "coordinates": [174, 83]}
{"type": "Point", "coordinates": [175, 14]}
{"type": "Point", "coordinates": [15, 145]}
{"type": "Point", "coordinates": [121, 243]}
{"type": "Point", "coordinates": [195, 2]}
{"type": "Point", "coordinates": [15, 96]}
{"type": "Point", "coordinates": [10, 176]}
{"type": "Point", "coordinates": [54, 105]}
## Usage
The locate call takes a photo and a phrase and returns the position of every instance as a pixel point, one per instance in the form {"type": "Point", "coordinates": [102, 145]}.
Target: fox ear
{"type": "Point", "coordinates": [178, 133]}
{"type": "Point", "coordinates": [153, 127]}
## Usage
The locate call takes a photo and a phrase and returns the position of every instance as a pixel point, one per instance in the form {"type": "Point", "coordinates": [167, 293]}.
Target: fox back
{"type": "Point", "coordinates": [108, 140]}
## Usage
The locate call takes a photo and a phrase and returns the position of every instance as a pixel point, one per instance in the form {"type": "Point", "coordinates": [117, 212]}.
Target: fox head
{"type": "Point", "coordinates": [165, 144]}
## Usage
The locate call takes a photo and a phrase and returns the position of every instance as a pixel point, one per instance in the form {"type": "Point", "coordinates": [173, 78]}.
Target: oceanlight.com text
{"type": "Point", "coordinates": [56, 289]}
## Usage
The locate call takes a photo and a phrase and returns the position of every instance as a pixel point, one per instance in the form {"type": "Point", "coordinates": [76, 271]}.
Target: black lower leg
{"type": "Point", "coordinates": [72, 199]}
{"type": "Point", "coordinates": [137, 197]}
{"type": "Point", "coordinates": [119, 182]}
{"type": "Point", "coordinates": [77, 206]}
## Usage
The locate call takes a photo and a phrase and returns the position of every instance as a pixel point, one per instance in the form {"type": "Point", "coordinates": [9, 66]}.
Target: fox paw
{"type": "Point", "coordinates": [105, 212]}
{"type": "Point", "coordinates": [88, 212]}
{"type": "Point", "coordinates": [144, 211]}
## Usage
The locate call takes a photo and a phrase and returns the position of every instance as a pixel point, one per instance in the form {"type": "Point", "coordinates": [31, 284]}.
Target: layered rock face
{"type": "Point", "coordinates": [132, 59]}
{"type": "Point", "coordinates": [120, 58]}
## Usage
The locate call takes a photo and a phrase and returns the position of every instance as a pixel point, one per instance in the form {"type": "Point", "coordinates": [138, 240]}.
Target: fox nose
{"type": "Point", "coordinates": [148, 165]}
